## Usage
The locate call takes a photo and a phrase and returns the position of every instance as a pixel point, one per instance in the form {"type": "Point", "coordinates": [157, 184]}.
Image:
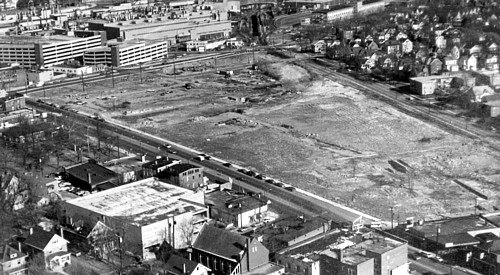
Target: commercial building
{"type": "Point", "coordinates": [125, 53]}
{"type": "Point", "coordinates": [145, 214]}
{"type": "Point", "coordinates": [199, 25]}
{"type": "Point", "coordinates": [348, 10]}
{"type": "Point", "coordinates": [185, 175]}
{"type": "Point", "coordinates": [40, 51]}
{"type": "Point", "coordinates": [364, 253]}
{"type": "Point", "coordinates": [89, 176]}
{"type": "Point", "coordinates": [226, 252]}
{"type": "Point", "coordinates": [427, 85]}
{"type": "Point", "coordinates": [12, 103]}
{"type": "Point", "coordinates": [234, 208]}
{"type": "Point", "coordinates": [156, 166]}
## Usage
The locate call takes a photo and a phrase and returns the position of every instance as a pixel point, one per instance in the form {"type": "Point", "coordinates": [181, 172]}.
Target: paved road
{"type": "Point", "coordinates": [285, 21]}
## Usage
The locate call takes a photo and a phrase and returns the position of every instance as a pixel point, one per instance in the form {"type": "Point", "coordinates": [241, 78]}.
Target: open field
{"type": "Point", "coordinates": [313, 133]}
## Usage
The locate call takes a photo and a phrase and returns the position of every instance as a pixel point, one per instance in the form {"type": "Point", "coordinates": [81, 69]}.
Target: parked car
{"type": "Point", "coordinates": [426, 254]}
{"type": "Point", "coordinates": [271, 181]}
{"type": "Point", "coordinates": [290, 188]}
{"type": "Point", "coordinates": [166, 145]}
{"type": "Point", "coordinates": [251, 173]}
{"type": "Point", "coordinates": [437, 259]}
{"type": "Point", "coordinates": [227, 164]}
{"type": "Point", "coordinates": [279, 184]}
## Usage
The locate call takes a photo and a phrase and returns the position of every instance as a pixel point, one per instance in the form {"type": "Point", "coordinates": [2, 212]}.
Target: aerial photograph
{"type": "Point", "coordinates": [250, 137]}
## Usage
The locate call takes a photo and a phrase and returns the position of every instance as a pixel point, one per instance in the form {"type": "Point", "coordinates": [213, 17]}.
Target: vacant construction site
{"type": "Point", "coordinates": [287, 123]}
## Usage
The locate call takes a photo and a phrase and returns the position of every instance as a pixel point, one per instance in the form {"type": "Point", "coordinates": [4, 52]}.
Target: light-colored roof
{"type": "Point", "coordinates": [143, 202]}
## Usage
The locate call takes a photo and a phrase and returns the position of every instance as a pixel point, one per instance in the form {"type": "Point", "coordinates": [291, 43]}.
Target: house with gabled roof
{"type": "Point", "coordinates": [53, 247]}
{"type": "Point", "coordinates": [228, 252]}
{"type": "Point", "coordinates": [493, 48]}
{"type": "Point", "coordinates": [491, 62]}
{"type": "Point", "coordinates": [407, 46]}
{"type": "Point", "coordinates": [435, 66]}
{"type": "Point", "coordinates": [12, 261]}
{"type": "Point", "coordinates": [177, 265]}
{"type": "Point", "coordinates": [469, 63]}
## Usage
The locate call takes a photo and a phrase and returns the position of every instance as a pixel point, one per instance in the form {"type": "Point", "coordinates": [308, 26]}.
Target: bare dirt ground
{"type": "Point", "coordinates": [317, 135]}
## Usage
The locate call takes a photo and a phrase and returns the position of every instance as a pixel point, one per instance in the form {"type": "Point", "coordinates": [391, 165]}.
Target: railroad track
{"type": "Point", "coordinates": [413, 108]}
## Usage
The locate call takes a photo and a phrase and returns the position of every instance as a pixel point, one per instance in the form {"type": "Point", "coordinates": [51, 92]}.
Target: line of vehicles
{"type": "Point", "coordinates": [66, 186]}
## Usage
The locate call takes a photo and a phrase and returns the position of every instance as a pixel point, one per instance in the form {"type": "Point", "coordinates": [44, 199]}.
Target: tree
{"type": "Point", "coordinates": [37, 265]}
{"type": "Point", "coordinates": [77, 268]}
{"type": "Point", "coordinates": [187, 230]}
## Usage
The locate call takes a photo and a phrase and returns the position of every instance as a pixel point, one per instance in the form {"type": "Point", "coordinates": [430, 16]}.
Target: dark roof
{"type": "Point", "coordinates": [459, 239]}
{"type": "Point", "coordinates": [6, 251]}
{"type": "Point", "coordinates": [176, 263]}
{"type": "Point", "coordinates": [159, 162]}
{"type": "Point", "coordinates": [98, 174]}
{"type": "Point", "coordinates": [39, 239]}
{"type": "Point", "coordinates": [181, 168]}
{"type": "Point", "coordinates": [220, 242]}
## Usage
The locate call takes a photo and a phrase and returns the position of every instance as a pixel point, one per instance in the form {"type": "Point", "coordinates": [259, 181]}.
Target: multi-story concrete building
{"type": "Point", "coordinates": [12, 103]}
{"type": "Point", "coordinates": [31, 51]}
{"type": "Point", "coordinates": [125, 53]}
{"type": "Point", "coordinates": [144, 213]}
{"type": "Point", "coordinates": [156, 166]}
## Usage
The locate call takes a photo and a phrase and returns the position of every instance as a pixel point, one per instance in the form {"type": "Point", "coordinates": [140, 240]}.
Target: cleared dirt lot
{"type": "Point", "coordinates": [313, 133]}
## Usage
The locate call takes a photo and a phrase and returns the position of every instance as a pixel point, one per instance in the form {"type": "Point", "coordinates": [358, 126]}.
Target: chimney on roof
{"type": "Point", "coordinates": [19, 246]}
{"type": "Point", "coordinates": [89, 178]}
{"type": "Point", "coordinates": [61, 232]}
{"type": "Point", "coordinates": [183, 268]}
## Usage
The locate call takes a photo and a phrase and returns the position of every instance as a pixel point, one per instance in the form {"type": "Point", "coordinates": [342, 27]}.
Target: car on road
{"type": "Point", "coordinates": [271, 181]}
{"type": "Point", "coordinates": [227, 164]}
{"type": "Point", "coordinates": [438, 259]}
{"type": "Point", "coordinates": [166, 145]}
{"type": "Point", "coordinates": [251, 173]}
{"type": "Point", "coordinates": [243, 170]}
{"type": "Point", "coordinates": [426, 254]}
{"type": "Point", "coordinates": [239, 178]}
{"type": "Point", "coordinates": [415, 256]}
{"type": "Point", "coordinates": [260, 177]}
{"type": "Point", "coordinates": [290, 188]}
{"type": "Point", "coordinates": [279, 184]}
{"type": "Point", "coordinates": [171, 152]}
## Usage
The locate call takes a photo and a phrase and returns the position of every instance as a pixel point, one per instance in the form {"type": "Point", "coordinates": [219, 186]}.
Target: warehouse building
{"type": "Point", "coordinates": [144, 214]}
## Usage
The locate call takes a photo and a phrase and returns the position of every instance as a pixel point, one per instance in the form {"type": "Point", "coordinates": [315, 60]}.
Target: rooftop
{"type": "Point", "coordinates": [143, 202]}
{"type": "Point", "coordinates": [453, 226]}
{"type": "Point", "coordinates": [28, 39]}
{"type": "Point", "coordinates": [98, 174]}
{"type": "Point", "coordinates": [160, 162]}
{"type": "Point", "coordinates": [233, 201]}
{"type": "Point", "coordinates": [181, 168]}
{"type": "Point", "coordinates": [220, 242]}
{"type": "Point", "coordinates": [8, 253]}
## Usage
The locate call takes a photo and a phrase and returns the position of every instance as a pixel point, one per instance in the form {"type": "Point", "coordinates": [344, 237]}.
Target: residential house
{"type": "Point", "coordinates": [492, 104]}
{"type": "Point", "coordinates": [12, 261]}
{"type": "Point", "coordinates": [401, 36]}
{"type": "Point", "coordinates": [407, 46]}
{"type": "Point", "coordinates": [358, 51]}
{"type": "Point", "coordinates": [451, 64]}
{"type": "Point", "coordinates": [53, 247]}
{"type": "Point", "coordinates": [372, 47]}
{"type": "Point", "coordinates": [16, 192]}
{"type": "Point", "coordinates": [319, 46]}
{"type": "Point", "coordinates": [475, 50]}
{"type": "Point", "coordinates": [234, 208]}
{"type": "Point", "coordinates": [493, 48]}
{"type": "Point", "coordinates": [478, 92]}
{"type": "Point", "coordinates": [435, 66]}
{"type": "Point", "coordinates": [185, 175]}
{"type": "Point", "coordinates": [154, 167]}
{"type": "Point", "coordinates": [103, 240]}
{"type": "Point", "coordinates": [177, 265]}
{"type": "Point", "coordinates": [300, 264]}
{"type": "Point", "coordinates": [469, 63]}
{"type": "Point", "coordinates": [392, 46]}
{"type": "Point", "coordinates": [226, 252]}
{"type": "Point", "coordinates": [487, 77]}
{"type": "Point", "coordinates": [388, 61]}
{"type": "Point", "coordinates": [491, 62]}
{"type": "Point", "coordinates": [440, 42]}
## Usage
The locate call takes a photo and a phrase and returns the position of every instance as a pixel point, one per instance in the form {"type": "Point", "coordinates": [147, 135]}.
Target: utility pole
{"type": "Point", "coordinates": [83, 84]}
{"type": "Point", "coordinates": [118, 145]}
{"type": "Point", "coordinates": [438, 230]}
{"type": "Point", "coordinates": [43, 89]}
{"type": "Point", "coordinates": [112, 76]}
{"type": "Point", "coordinates": [392, 217]}
{"type": "Point", "coordinates": [140, 70]}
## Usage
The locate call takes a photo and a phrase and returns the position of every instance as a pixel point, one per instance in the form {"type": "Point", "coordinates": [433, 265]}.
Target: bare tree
{"type": "Point", "coordinates": [187, 230]}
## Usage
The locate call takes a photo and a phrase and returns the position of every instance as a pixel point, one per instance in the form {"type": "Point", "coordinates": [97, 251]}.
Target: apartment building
{"type": "Point", "coordinates": [125, 53]}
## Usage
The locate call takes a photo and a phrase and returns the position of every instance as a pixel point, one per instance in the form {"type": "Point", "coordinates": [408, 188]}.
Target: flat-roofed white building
{"type": "Point", "coordinates": [144, 214]}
